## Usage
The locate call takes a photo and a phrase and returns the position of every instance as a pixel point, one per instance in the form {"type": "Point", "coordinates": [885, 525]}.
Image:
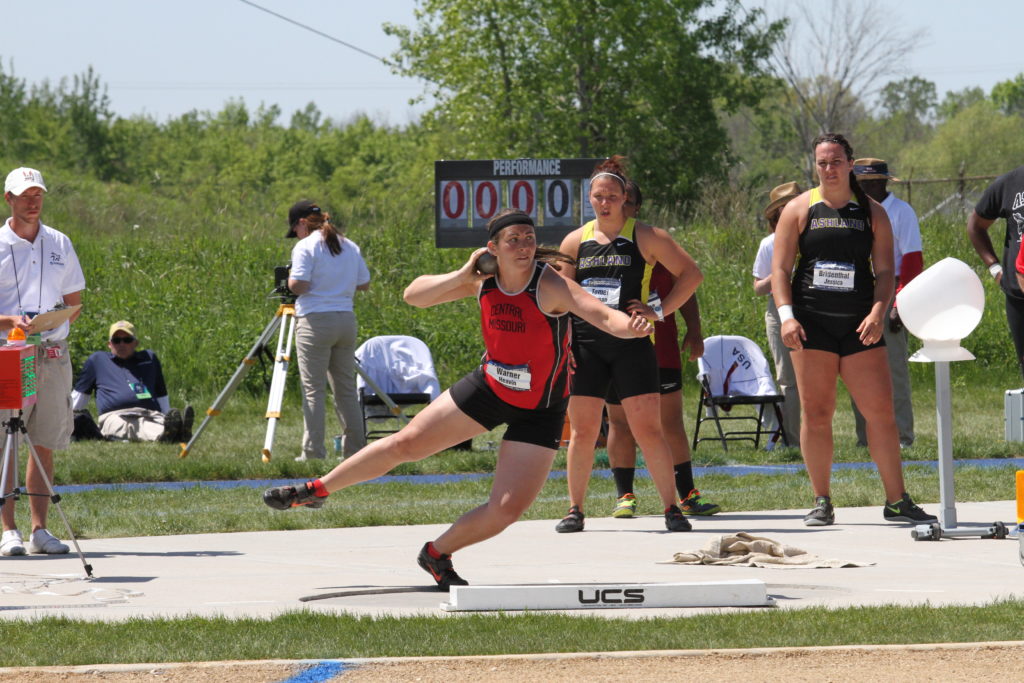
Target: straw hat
{"type": "Point", "coordinates": [780, 196]}
{"type": "Point", "coordinates": [872, 169]}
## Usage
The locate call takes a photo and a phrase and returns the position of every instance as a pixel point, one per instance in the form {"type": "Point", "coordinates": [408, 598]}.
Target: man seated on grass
{"type": "Point", "coordinates": [131, 396]}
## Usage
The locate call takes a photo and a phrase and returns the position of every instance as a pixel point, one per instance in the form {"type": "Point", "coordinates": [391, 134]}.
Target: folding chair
{"type": "Point", "coordinates": [734, 372]}
{"type": "Point", "coordinates": [402, 368]}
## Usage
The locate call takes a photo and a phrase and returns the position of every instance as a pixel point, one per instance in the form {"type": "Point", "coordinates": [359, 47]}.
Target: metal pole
{"type": "Point", "coordinates": [381, 394]}
{"type": "Point", "coordinates": [944, 430]}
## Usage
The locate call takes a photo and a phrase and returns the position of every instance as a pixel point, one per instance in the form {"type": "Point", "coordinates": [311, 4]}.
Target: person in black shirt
{"type": "Point", "coordinates": [1004, 198]}
{"type": "Point", "coordinates": [131, 395]}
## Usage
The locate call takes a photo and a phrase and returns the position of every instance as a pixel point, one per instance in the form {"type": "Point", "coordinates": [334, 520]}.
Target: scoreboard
{"type": "Point", "coordinates": [468, 193]}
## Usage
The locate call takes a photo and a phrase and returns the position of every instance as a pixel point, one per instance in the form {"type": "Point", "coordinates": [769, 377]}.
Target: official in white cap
{"type": "Point", "coordinates": [43, 269]}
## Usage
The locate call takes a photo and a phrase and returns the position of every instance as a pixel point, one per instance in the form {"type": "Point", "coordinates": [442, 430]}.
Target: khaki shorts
{"type": "Point", "coordinates": [49, 421]}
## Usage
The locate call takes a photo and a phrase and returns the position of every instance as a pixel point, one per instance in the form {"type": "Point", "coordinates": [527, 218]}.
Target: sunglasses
{"type": "Point", "coordinates": [122, 340]}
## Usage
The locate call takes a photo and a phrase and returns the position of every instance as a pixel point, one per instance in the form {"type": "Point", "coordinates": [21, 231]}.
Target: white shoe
{"type": "Point", "coordinates": [42, 542]}
{"type": "Point", "coordinates": [11, 543]}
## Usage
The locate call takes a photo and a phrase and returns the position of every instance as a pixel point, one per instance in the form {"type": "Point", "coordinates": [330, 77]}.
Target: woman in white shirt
{"type": "Point", "coordinates": [327, 270]}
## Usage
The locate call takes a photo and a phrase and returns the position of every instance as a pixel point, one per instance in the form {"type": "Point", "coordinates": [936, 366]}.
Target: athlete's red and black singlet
{"type": "Point", "coordinates": [527, 359]}
{"type": "Point", "coordinates": [834, 276]}
{"type": "Point", "coordinates": [615, 273]}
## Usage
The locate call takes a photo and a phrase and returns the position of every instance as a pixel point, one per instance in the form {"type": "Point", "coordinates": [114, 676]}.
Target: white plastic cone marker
{"type": "Point", "coordinates": [940, 307]}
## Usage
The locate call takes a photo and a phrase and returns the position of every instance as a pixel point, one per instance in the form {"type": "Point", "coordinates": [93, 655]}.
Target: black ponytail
{"type": "Point", "coordinates": [862, 198]}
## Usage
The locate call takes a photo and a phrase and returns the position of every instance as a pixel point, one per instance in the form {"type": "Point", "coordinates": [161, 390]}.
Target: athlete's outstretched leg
{"type": "Point", "coordinates": [520, 474]}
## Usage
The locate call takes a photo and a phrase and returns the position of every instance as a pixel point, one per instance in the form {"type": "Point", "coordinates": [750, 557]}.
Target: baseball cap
{"type": "Point", "coordinates": [20, 179]}
{"type": "Point", "coordinates": [122, 326]}
{"type": "Point", "coordinates": [872, 169]}
{"type": "Point", "coordinates": [299, 210]}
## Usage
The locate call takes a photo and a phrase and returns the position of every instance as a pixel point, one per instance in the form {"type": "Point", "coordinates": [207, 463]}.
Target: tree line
{"type": "Point", "coordinates": [696, 94]}
{"type": "Point", "coordinates": [179, 223]}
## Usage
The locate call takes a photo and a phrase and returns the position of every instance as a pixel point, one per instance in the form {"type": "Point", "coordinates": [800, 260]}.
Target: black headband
{"type": "Point", "coordinates": [515, 218]}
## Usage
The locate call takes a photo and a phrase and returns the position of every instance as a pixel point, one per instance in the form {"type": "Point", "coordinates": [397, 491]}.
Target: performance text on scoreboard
{"type": "Point", "coordinates": [554, 192]}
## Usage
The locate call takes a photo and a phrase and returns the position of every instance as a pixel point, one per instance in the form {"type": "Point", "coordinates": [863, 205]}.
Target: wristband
{"type": "Point", "coordinates": [996, 269]}
{"type": "Point", "coordinates": [654, 302]}
{"type": "Point", "coordinates": [785, 313]}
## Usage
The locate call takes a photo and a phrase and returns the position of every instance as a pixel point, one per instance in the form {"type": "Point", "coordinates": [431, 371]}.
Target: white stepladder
{"type": "Point", "coordinates": [283, 324]}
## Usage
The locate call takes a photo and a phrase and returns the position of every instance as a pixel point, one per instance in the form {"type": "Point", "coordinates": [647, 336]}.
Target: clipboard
{"type": "Point", "coordinates": [52, 319]}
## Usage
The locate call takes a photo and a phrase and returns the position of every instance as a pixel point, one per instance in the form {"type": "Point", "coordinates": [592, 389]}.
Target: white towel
{"type": "Point", "coordinates": [744, 550]}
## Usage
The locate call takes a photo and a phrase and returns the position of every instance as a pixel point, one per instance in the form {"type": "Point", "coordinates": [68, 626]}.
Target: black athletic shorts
{"type": "Point", "coordinates": [540, 427]}
{"type": "Point", "coordinates": [834, 334]}
{"type": "Point", "coordinates": [629, 365]}
{"type": "Point", "coordinates": [670, 380]}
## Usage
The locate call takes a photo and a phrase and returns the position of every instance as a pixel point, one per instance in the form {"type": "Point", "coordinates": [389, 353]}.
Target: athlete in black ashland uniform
{"type": "Point", "coordinates": [615, 256]}
{"type": "Point", "coordinates": [522, 382]}
{"type": "Point", "coordinates": [832, 312]}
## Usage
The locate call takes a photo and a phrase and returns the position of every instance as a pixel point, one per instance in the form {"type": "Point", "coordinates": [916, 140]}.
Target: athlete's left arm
{"type": "Point", "coordinates": [657, 246]}
{"type": "Point", "coordinates": [693, 340]}
{"type": "Point", "coordinates": [882, 258]}
{"type": "Point", "coordinates": [557, 295]}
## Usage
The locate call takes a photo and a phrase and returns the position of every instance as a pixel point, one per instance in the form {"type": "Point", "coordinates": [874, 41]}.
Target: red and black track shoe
{"type": "Point", "coordinates": [440, 568]}
{"type": "Point", "coordinates": [286, 497]}
{"type": "Point", "coordinates": [674, 519]}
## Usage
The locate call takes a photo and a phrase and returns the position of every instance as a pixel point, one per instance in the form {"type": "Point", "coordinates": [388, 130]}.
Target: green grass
{"type": "Point", "coordinates": [311, 635]}
{"type": "Point", "coordinates": [230, 446]}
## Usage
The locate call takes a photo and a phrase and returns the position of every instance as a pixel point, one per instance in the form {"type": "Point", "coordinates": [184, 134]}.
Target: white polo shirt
{"type": "Point", "coordinates": [763, 260]}
{"type": "Point", "coordinates": [906, 233]}
{"type": "Point", "coordinates": [332, 279]}
{"type": "Point", "coordinates": [35, 276]}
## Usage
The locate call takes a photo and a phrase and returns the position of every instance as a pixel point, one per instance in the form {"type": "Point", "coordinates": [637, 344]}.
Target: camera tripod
{"type": "Point", "coordinates": [15, 428]}
{"type": "Point", "coordinates": [283, 323]}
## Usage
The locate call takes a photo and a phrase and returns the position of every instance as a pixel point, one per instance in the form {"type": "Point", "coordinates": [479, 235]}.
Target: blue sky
{"type": "Point", "coordinates": [164, 58]}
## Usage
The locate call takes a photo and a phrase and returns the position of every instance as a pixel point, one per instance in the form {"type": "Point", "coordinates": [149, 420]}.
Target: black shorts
{"type": "Point", "coordinates": [540, 427]}
{"type": "Point", "coordinates": [628, 365]}
{"type": "Point", "coordinates": [834, 334]}
{"type": "Point", "coordinates": [670, 381]}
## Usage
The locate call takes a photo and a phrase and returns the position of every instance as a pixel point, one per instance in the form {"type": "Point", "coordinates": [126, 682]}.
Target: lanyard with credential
{"type": "Point", "coordinates": [17, 283]}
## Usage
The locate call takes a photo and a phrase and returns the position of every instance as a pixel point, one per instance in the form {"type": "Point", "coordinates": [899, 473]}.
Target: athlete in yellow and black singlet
{"type": "Point", "coordinates": [833, 284]}
{"type": "Point", "coordinates": [833, 276]}
{"type": "Point", "coordinates": [615, 273]}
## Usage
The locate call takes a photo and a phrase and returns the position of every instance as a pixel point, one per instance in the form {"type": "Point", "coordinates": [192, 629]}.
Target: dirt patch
{"type": "Point", "coordinates": [973, 663]}
{"type": "Point", "coordinates": [959, 662]}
